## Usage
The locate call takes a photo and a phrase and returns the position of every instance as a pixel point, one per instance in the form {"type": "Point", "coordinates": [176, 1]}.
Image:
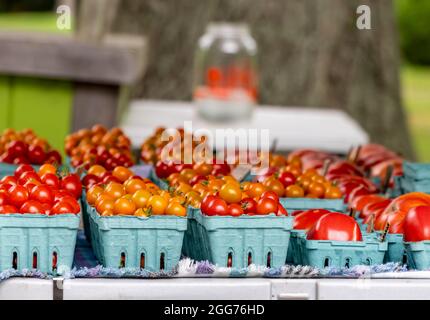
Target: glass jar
{"type": "Point", "coordinates": [225, 81]}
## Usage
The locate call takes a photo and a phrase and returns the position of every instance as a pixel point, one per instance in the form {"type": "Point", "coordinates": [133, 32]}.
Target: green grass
{"type": "Point", "coordinates": [416, 95]}
{"type": "Point", "coordinates": [30, 21]}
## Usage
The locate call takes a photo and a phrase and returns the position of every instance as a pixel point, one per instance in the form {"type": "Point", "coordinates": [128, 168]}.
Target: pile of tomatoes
{"type": "Point", "coordinates": [290, 182]}
{"type": "Point", "coordinates": [109, 148]}
{"type": "Point", "coordinates": [383, 212]}
{"type": "Point", "coordinates": [190, 173]}
{"type": "Point", "coordinates": [230, 203]}
{"type": "Point", "coordinates": [126, 194]}
{"type": "Point", "coordinates": [24, 147]}
{"type": "Point", "coordinates": [43, 192]}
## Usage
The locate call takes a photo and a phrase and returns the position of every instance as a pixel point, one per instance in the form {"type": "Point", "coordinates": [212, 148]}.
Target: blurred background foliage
{"type": "Point", "coordinates": [413, 18]}
{"type": "Point", "coordinates": [414, 30]}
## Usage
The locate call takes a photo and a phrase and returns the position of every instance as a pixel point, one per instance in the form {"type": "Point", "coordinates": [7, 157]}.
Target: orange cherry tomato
{"type": "Point", "coordinates": [231, 193]}
{"type": "Point", "coordinates": [141, 197]}
{"type": "Point", "coordinates": [124, 206]}
{"type": "Point", "coordinates": [158, 204]}
{"type": "Point", "coordinates": [47, 168]}
{"type": "Point", "coordinates": [276, 186]}
{"type": "Point", "coordinates": [122, 173]}
{"type": "Point", "coordinates": [187, 174]}
{"type": "Point", "coordinates": [256, 190]}
{"type": "Point", "coordinates": [176, 209]}
{"type": "Point", "coordinates": [304, 182]}
{"type": "Point", "coordinates": [203, 169]}
{"type": "Point", "coordinates": [105, 205]}
{"type": "Point", "coordinates": [294, 191]}
{"type": "Point", "coordinates": [93, 193]}
{"type": "Point", "coordinates": [318, 178]}
{"type": "Point", "coordinates": [114, 189]}
{"type": "Point", "coordinates": [96, 170]}
{"type": "Point", "coordinates": [333, 192]}
{"type": "Point", "coordinates": [132, 185]}
{"type": "Point", "coordinates": [317, 189]}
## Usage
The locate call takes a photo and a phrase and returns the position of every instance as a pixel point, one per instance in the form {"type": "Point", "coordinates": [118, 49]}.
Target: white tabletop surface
{"type": "Point", "coordinates": [222, 289]}
{"type": "Point", "coordinates": [294, 127]}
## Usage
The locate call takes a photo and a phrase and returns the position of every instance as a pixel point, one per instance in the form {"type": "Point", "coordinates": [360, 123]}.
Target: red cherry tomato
{"type": "Point", "coordinates": [51, 180]}
{"type": "Point", "coordinates": [61, 207]}
{"type": "Point", "coordinates": [89, 180]}
{"type": "Point", "coordinates": [220, 169]}
{"type": "Point", "coordinates": [32, 206]}
{"type": "Point", "coordinates": [9, 180]}
{"type": "Point", "coordinates": [28, 176]}
{"type": "Point", "coordinates": [17, 195]}
{"type": "Point", "coordinates": [53, 157]}
{"type": "Point", "coordinates": [287, 178]}
{"type": "Point", "coordinates": [3, 198]}
{"type": "Point", "coordinates": [417, 224]}
{"type": "Point", "coordinates": [270, 195]}
{"type": "Point", "coordinates": [266, 206]}
{"type": "Point", "coordinates": [17, 148]}
{"type": "Point", "coordinates": [59, 194]}
{"type": "Point", "coordinates": [335, 226]}
{"type": "Point", "coordinates": [249, 205]}
{"type": "Point", "coordinates": [36, 155]}
{"type": "Point", "coordinates": [162, 169]}
{"type": "Point", "coordinates": [72, 183]}
{"type": "Point", "coordinates": [206, 202]}
{"type": "Point", "coordinates": [72, 202]}
{"type": "Point", "coordinates": [7, 208]}
{"type": "Point", "coordinates": [217, 207]}
{"type": "Point", "coordinates": [23, 168]}
{"type": "Point", "coordinates": [42, 193]}
{"type": "Point", "coordinates": [235, 210]}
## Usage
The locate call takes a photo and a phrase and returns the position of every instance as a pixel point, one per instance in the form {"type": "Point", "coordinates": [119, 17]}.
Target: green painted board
{"type": "Point", "coordinates": [43, 105]}
{"type": "Point", "coordinates": [4, 102]}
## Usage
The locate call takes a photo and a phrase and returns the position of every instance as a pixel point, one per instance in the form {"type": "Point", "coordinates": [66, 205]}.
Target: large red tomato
{"type": "Point", "coordinates": [360, 202]}
{"type": "Point", "coordinates": [417, 224]}
{"type": "Point", "coordinates": [373, 207]}
{"type": "Point", "coordinates": [400, 206]}
{"type": "Point", "coordinates": [335, 226]}
{"type": "Point", "coordinates": [306, 219]}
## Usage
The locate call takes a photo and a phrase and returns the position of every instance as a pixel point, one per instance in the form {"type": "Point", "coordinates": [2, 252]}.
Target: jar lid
{"type": "Point", "coordinates": [228, 29]}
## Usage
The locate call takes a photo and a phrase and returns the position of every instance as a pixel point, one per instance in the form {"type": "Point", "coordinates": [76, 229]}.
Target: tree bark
{"type": "Point", "coordinates": [310, 54]}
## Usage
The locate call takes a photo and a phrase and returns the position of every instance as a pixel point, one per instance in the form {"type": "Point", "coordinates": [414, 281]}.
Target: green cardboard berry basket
{"type": "Point", "coordinates": [38, 241]}
{"type": "Point", "coordinates": [238, 241]}
{"type": "Point", "coordinates": [152, 243]}
{"type": "Point", "coordinates": [340, 254]}
{"type": "Point", "coordinates": [418, 254]}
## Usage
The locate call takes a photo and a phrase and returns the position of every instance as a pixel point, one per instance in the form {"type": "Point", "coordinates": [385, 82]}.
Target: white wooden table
{"type": "Point", "coordinates": [293, 127]}
{"type": "Point", "coordinates": [409, 286]}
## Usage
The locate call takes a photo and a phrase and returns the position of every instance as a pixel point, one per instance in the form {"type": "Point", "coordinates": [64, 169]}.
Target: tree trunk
{"type": "Point", "coordinates": [310, 54]}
